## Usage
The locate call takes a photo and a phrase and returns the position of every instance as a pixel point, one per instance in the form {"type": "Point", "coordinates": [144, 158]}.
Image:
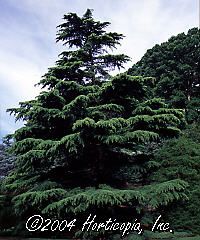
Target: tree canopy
{"type": "Point", "coordinates": [88, 139]}
{"type": "Point", "coordinates": [175, 65]}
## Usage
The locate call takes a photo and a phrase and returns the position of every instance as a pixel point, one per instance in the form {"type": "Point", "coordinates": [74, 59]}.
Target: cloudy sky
{"type": "Point", "coordinates": [28, 29]}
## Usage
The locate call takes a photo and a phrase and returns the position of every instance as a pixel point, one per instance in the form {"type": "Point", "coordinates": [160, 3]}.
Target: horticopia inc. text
{"type": "Point", "coordinates": [38, 223]}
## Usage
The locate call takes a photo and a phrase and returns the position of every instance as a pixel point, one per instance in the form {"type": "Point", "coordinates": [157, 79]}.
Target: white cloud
{"type": "Point", "coordinates": [28, 31]}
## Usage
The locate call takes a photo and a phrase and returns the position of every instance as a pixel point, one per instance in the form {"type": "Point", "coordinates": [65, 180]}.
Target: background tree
{"type": "Point", "coordinates": [83, 131]}
{"type": "Point", "coordinates": [175, 64]}
{"type": "Point", "coordinates": [175, 67]}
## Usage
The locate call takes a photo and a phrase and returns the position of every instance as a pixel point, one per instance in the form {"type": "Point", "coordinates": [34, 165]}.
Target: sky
{"type": "Point", "coordinates": [28, 31]}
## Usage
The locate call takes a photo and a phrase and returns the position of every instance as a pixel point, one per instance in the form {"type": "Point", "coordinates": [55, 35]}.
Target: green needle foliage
{"type": "Point", "coordinates": [180, 158]}
{"type": "Point", "coordinates": [86, 146]}
{"type": "Point", "coordinates": [175, 65]}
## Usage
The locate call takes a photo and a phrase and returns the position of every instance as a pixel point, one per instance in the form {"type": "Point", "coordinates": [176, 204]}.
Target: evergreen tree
{"type": "Point", "coordinates": [87, 143]}
{"type": "Point", "coordinates": [175, 64]}
{"type": "Point", "coordinates": [181, 158]}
